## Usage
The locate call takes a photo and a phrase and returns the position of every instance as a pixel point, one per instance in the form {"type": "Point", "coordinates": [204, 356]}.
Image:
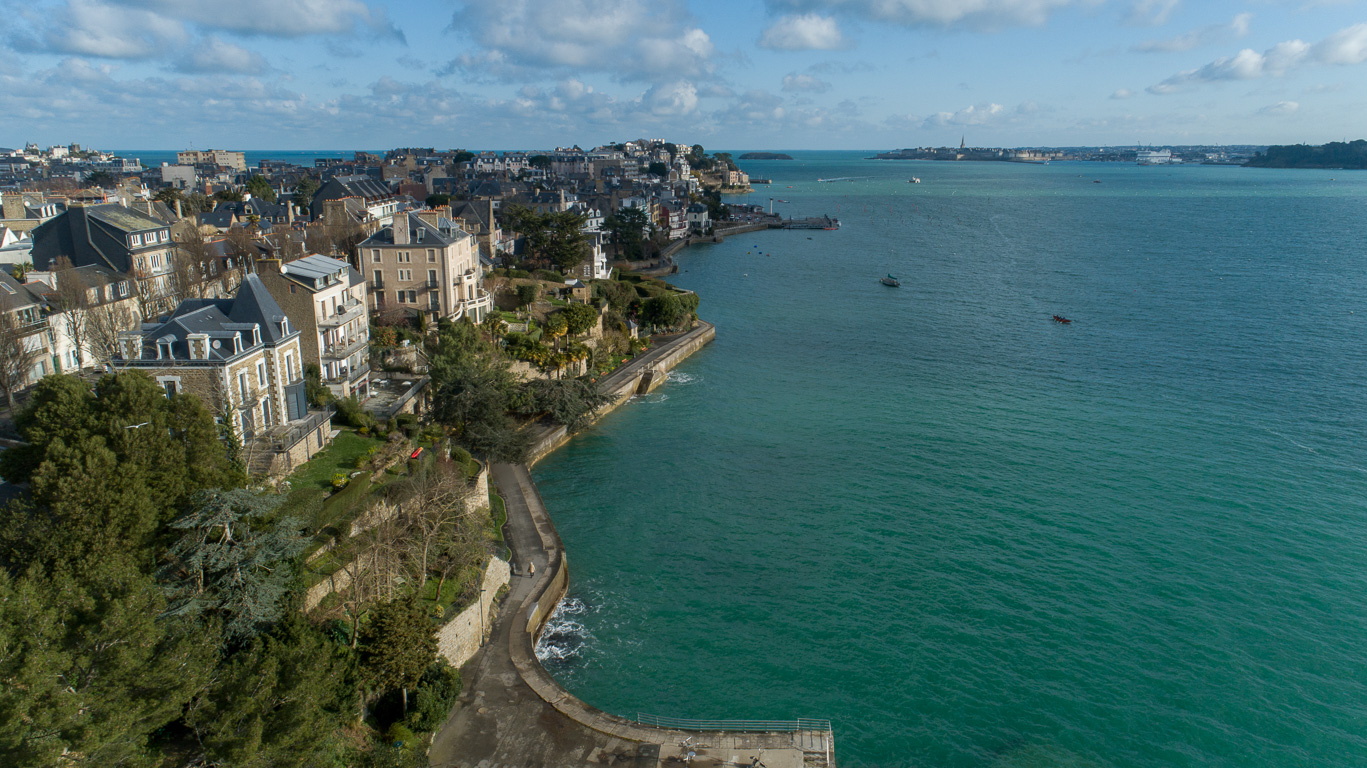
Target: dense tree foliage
{"type": "Point", "coordinates": [260, 187]}
{"type": "Point", "coordinates": [1336, 154]}
{"type": "Point", "coordinates": [628, 228]}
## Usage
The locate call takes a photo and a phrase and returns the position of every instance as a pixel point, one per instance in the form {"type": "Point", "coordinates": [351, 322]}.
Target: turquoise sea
{"type": "Point", "coordinates": [971, 536]}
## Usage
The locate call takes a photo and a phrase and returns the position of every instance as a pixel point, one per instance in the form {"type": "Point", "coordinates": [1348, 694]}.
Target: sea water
{"type": "Point", "coordinates": [972, 536]}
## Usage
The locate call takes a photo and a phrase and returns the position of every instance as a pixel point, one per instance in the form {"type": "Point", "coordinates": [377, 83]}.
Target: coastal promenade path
{"type": "Point", "coordinates": [511, 712]}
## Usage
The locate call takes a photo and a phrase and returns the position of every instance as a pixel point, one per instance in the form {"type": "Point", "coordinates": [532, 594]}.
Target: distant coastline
{"type": "Point", "coordinates": [765, 156]}
{"type": "Point", "coordinates": [1335, 155]}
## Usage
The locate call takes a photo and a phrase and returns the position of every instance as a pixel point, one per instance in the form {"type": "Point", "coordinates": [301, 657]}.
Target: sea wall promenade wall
{"type": "Point", "coordinates": [512, 712]}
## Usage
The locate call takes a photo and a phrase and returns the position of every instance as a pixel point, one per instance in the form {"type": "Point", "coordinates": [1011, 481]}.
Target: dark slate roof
{"type": "Point", "coordinates": [92, 234]}
{"type": "Point", "coordinates": [220, 319]}
{"type": "Point", "coordinates": [14, 295]}
{"type": "Point", "coordinates": [220, 219]}
{"type": "Point", "coordinates": [432, 237]}
{"type": "Point", "coordinates": [341, 187]}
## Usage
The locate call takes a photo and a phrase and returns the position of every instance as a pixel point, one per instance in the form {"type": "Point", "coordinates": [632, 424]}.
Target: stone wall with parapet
{"type": "Point", "coordinates": [461, 637]}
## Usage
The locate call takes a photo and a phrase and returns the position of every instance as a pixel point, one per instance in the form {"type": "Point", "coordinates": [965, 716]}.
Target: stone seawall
{"type": "Point", "coordinates": [639, 376]}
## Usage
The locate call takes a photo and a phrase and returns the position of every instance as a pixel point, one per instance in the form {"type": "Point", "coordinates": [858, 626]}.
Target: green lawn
{"type": "Point", "coordinates": [311, 484]}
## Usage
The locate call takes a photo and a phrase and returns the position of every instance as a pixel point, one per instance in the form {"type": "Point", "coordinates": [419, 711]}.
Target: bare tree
{"type": "Point", "coordinates": [103, 324]}
{"type": "Point", "coordinates": [242, 248]}
{"type": "Point", "coordinates": [188, 272]}
{"type": "Point", "coordinates": [17, 355]}
{"type": "Point", "coordinates": [71, 299]}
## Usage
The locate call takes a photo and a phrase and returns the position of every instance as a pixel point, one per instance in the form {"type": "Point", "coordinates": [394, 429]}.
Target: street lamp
{"type": "Point", "coordinates": [481, 617]}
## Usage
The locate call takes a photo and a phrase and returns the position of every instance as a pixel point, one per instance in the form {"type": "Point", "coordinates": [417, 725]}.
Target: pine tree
{"type": "Point", "coordinates": [397, 646]}
{"type": "Point", "coordinates": [222, 568]}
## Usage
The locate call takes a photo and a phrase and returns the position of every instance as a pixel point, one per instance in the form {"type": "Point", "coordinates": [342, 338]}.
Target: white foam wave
{"type": "Point", "coordinates": [677, 378]}
{"type": "Point", "coordinates": [564, 637]}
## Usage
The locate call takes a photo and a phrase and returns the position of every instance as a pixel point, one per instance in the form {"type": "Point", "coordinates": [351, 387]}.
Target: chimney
{"type": "Point", "coordinates": [272, 266]}
{"type": "Point", "coordinates": [289, 212]}
{"type": "Point", "coordinates": [430, 217]}
{"type": "Point", "coordinates": [179, 215]}
{"type": "Point", "coordinates": [400, 229]}
{"type": "Point", "coordinates": [13, 205]}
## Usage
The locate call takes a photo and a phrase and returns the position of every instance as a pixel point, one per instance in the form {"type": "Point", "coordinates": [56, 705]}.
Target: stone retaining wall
{"type": "Point", "coordinates": [461, 637]}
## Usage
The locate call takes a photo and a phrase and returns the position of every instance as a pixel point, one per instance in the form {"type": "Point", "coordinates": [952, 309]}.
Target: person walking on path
{"type": "Point", "coordinates": [531, 569]}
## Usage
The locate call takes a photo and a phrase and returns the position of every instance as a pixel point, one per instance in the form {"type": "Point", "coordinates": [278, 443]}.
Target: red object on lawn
{"type": "Point", "coordinates": [416, 453]}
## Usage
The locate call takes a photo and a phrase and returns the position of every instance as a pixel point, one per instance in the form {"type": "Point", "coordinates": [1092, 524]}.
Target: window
{"type": "Point", "coordinates": [401, 296]}
{"type": "Point", "coordinates": [431, 256]}
{"type": "Point", "coordinates": [375, 256]}
{"type": "Point", "coordinates": [289, 366]}
{"type": "Point", "coordinates": [406, 257]}
{"type": "Point", "coordinates": [164, 236]}
{"type": "Point", "coordinates": [170, 388]}
{"type": "Point", "coordinates": [123, 288]}
{"type": "Point", "coordinates": [237, 345]}
{"type": "Point", "coordinates": [412, 297]}
{"type": "Point", "coordinates": [242, 386]}
{"type": "Point", "coordinates": [135, 240]}
{"type": "Point", "coordinates": [431, 277]}
{"type": "Point", "coordinates": [436, 300]}
{"type": "Point", "coordinates": [261, 372]}
{"type": "Point", "coordinates": [379, 280]}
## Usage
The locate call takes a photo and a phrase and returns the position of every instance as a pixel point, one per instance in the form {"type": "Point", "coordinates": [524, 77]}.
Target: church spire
{"type": "Point", "coordinates": [961, 140]}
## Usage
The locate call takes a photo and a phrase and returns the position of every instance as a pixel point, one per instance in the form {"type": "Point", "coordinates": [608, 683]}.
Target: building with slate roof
{"type": "Point", "coordinates": [416, 267]}
{"type": "Point", "coordinates": [242, 357]}
{"type": "Point", "coordinates": [125, 240]}
{"type": "Point", "coordinates": [25, 321]}
{"type": "Point", "coordinates": [326, 300]}
{"type": "Point", "coordinates": [380, 201]}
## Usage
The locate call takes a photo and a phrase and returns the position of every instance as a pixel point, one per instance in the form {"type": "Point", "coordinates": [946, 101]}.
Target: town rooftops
{"type": "Point", "coordinates": [94, 234]}
{"type": "Point", "coordinates": [218, 320]}
{"type": "Point", "coordinates": [420, 233]}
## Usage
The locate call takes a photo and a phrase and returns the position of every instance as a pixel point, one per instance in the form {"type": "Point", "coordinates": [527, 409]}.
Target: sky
{"type": "Point", "coordinates": [739, 74]}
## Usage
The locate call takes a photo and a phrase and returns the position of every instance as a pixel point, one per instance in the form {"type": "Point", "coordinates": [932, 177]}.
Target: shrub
{"type": "Point", "coordinates": [521, 273]}
{"type": "Point", "coordinates": [460, 455]}
{"type": "Point", "coordinates": [340, 480]}
{"type": "Point", "coordinates": [350, 413]}
{"type": "Point", "coordinates": [399, 734]}
{"type": "Point", "coordinates": [549, 274]}
{"type": "Point", "coordinates": [435, 695]}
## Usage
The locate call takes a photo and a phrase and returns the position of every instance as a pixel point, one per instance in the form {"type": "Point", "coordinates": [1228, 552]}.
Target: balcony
{"type": "Point", "coordinates": [433, 284]}
{"type": "Point", "coordinates": [346, 375]}
{"type": "Point", "coordinates": [343, 351]}
{"type": "Point", "coordinates": [347, 312]}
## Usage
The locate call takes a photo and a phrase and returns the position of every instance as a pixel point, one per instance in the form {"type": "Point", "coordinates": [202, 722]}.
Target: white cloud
{"type": "Point", "coordinates": [676, 98]}
{"type": "Point", "coordinates": [212, 55]}
{"type": "Point", "coordinates": [1344, 48]}
{"type": "Point", "coordinates": [632, 39]}
{"type": "Point", "coordinates": [1237, 27]}
{"type": "Point", "coordinates": [1280, 109]}
{"type": "Point", "coordinates": [805, 32]}
{"type": "Point", "coordinates": [90, 28]}
{"type": "Point", "coordinates": [976, 114]}
{"type": "Point", "coordinates": [800, 82]}
{"type": "Point", "coordinates": [1123, 93]}
{"type": "Point", "coordinates": [1151, 13]}
{"type": "Point", "coordinates": [976, 13]}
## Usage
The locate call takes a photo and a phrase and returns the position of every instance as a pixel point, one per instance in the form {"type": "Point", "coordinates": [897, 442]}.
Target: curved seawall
{"type": "Point", "coordinates": [513, 712]}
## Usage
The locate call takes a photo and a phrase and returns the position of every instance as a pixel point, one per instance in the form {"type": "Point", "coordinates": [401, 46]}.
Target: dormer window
{"type": "Point", "coordinates": [285, 326]}
{"type": "Point", "coordinates": [256, 336]}
{"type": "Point", "coordinates": [135, 240]}
{"type": "Point", "coordinates": [164, 236]}
{"type": "Point", "coordinates": [237, 343]}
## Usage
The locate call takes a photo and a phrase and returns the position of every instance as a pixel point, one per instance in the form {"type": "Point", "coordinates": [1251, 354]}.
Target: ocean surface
{"type": "Point", "coordinates": [971, 536]}
{"type": "Point", "coordinates": [153, 158]}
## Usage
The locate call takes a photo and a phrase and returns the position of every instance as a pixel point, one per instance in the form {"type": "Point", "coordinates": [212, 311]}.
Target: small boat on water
{"type": "Point", "coordinates": [1061, 319]}
{"type": "Point", "coordinates": [890, 281]}
{"type": "Point", "coordinates": [914, 180]}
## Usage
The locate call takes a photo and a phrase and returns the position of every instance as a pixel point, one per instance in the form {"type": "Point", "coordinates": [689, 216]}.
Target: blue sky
{"type": "Point", "coordinates": [800, 74]}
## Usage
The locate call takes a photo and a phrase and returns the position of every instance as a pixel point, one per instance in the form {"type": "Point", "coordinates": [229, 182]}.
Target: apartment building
{"type": "Point", "coordinates": [326, 300]}
{"type": "Point", "coordinates": [416, 267]}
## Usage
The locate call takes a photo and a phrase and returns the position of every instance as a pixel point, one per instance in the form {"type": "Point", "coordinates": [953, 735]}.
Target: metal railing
{"type": "Point", "coordinates": [752, 726]}
{"type": "Point", "coordinates": [343, 351]}
{"type": "Point", "coordinates": [349, 311]}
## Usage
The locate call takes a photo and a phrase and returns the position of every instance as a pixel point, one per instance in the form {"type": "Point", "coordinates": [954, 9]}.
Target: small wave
{"type": "Point", "coordinates": [563, 639]}
{"type": "Point", "coordinates": [678, 378]}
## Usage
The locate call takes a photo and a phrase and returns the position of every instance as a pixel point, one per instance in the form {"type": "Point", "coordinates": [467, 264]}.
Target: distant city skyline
{"type": "Point", "coordinates": [795, 74]}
